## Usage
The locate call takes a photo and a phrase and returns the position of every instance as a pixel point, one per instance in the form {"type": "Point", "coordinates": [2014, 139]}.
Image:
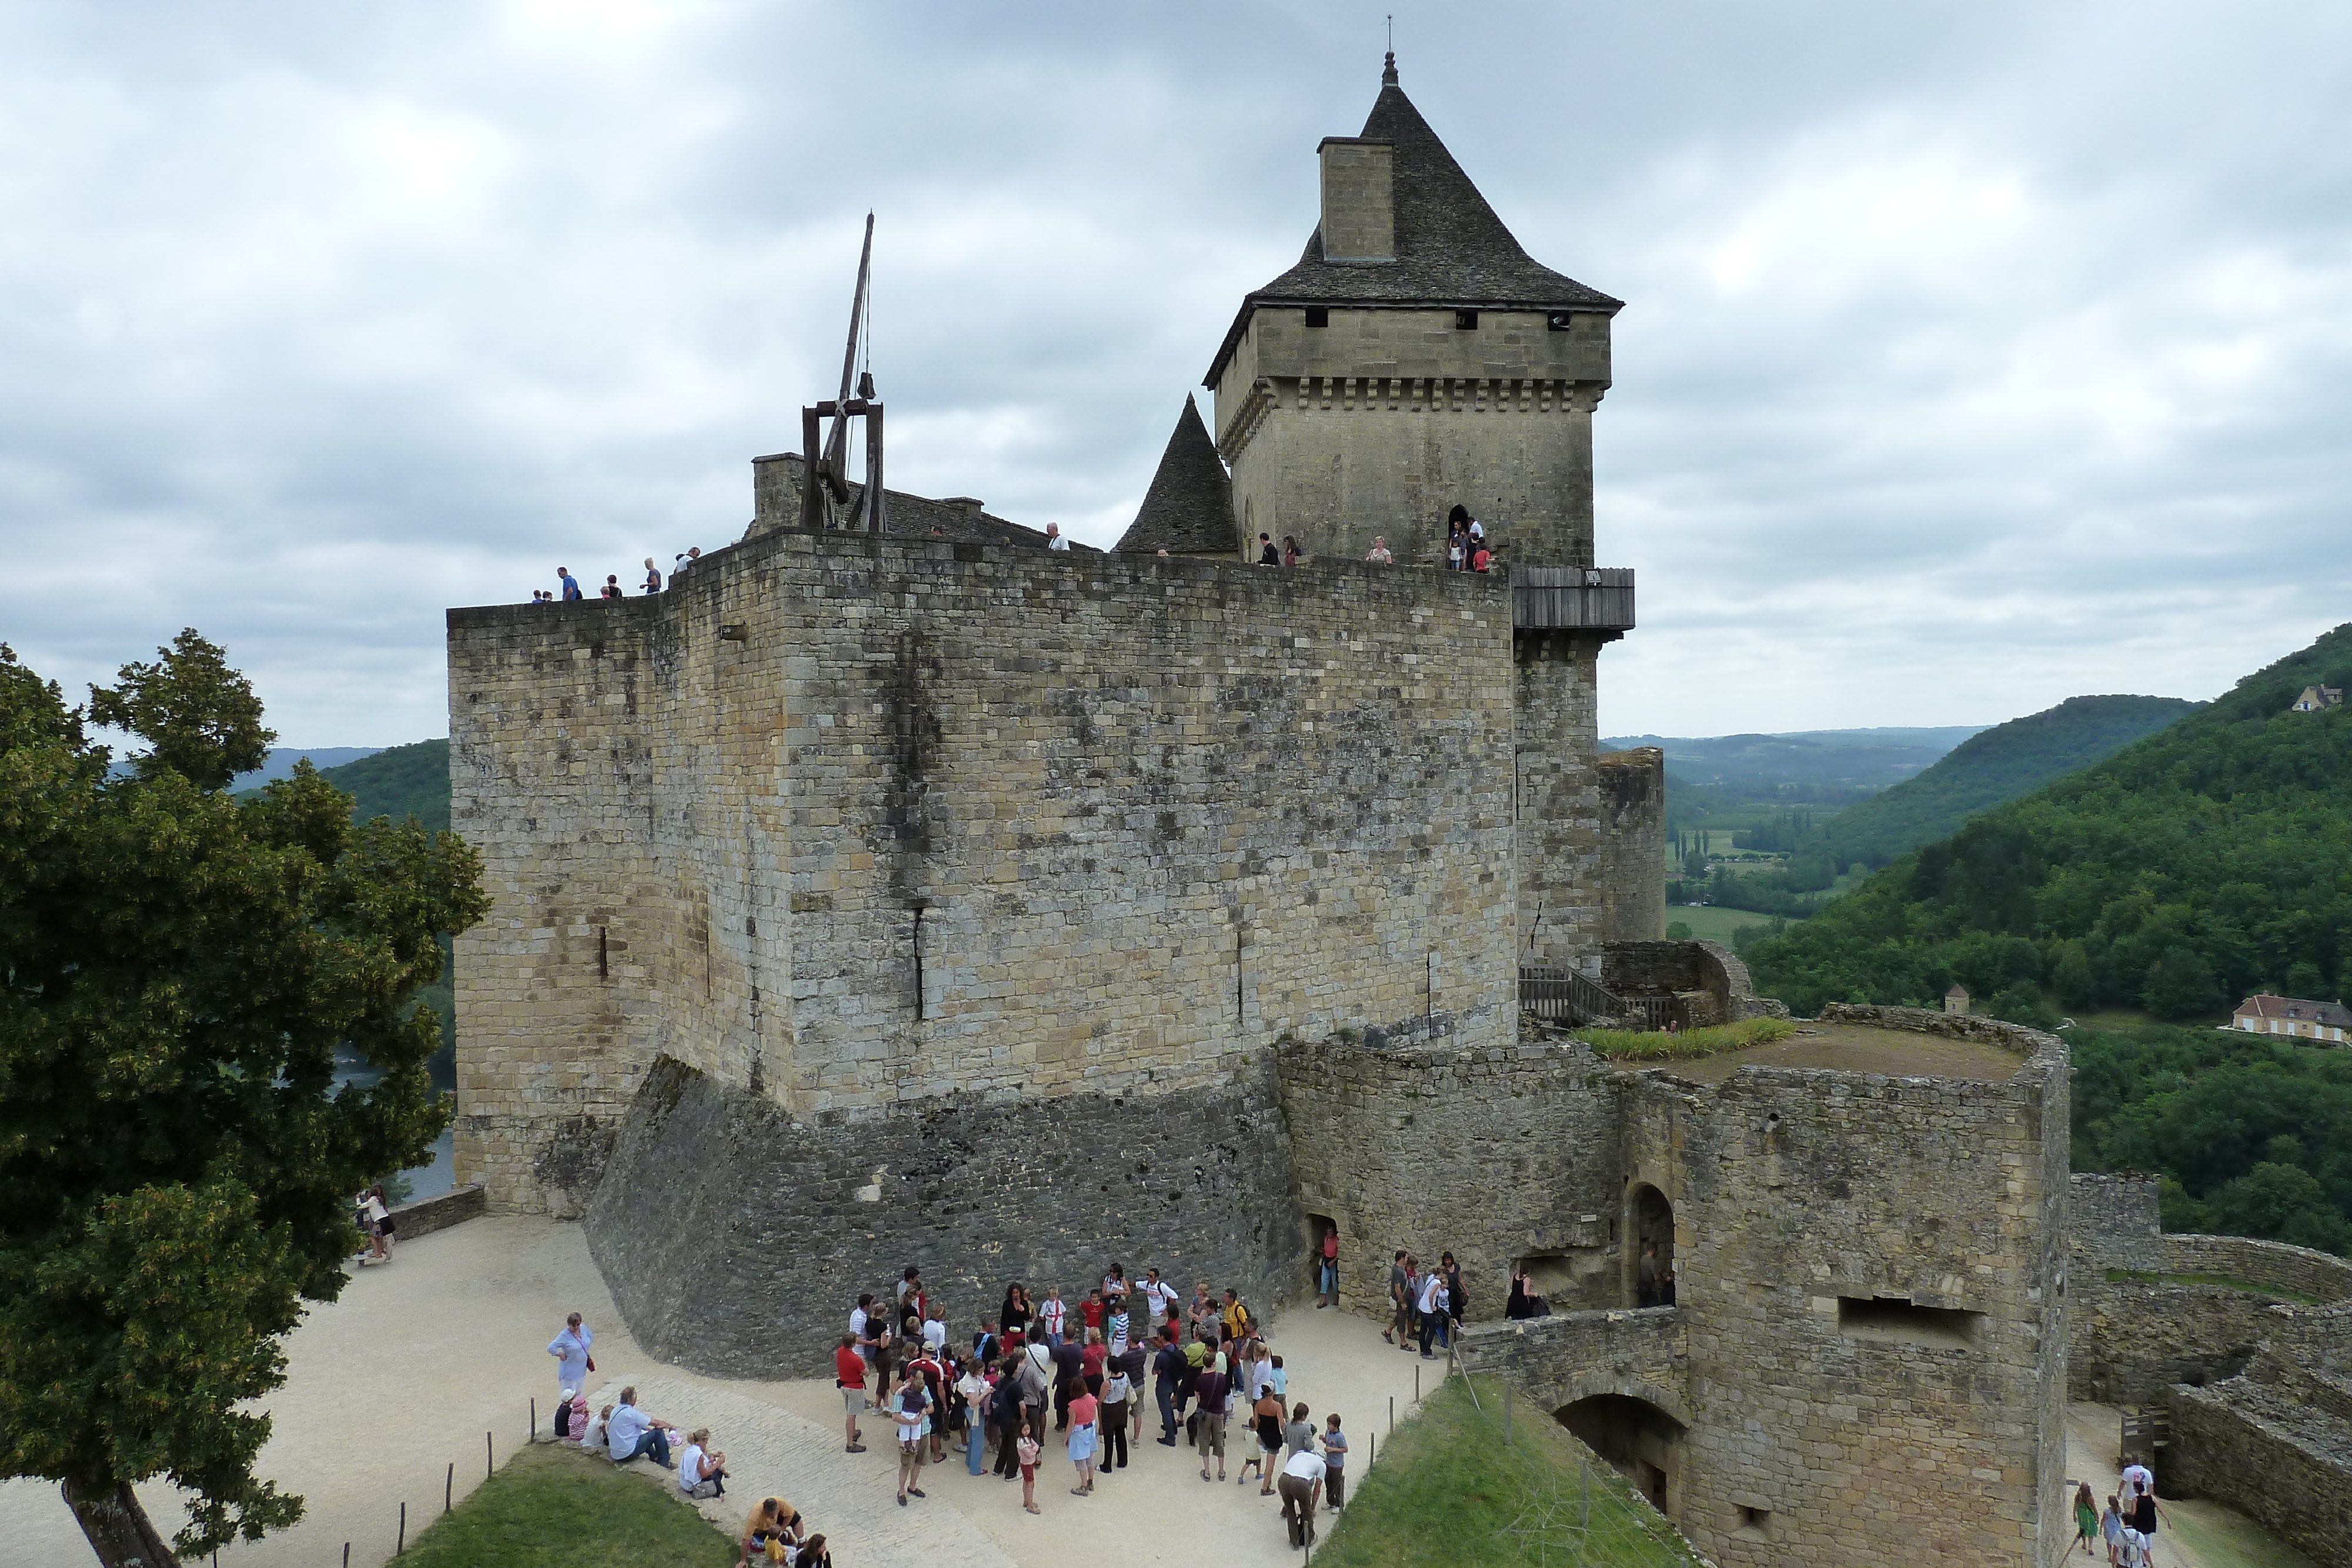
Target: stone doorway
{"type": "Point", "coordinates": [1319, 1225]}
{"type": "Point", "coordinates": [1637, 1440]}
{"type": "Point", "coordinates": [1650, 1223]}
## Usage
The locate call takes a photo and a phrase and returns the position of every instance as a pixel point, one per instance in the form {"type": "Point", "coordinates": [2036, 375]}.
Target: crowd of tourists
{"type": "Point", "coordinates": [1096, 1368]}
{"type": "Point", "coordinates": [567, 587]}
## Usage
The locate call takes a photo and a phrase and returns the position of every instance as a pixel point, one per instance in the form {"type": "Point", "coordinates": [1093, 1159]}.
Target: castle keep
{"type": "Point", "coordinates": [932, 896]}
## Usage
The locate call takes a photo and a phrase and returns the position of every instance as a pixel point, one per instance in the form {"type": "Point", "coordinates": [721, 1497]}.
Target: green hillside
{"type": "Point", "coordinates": [1990, 767]}
{"type": "Point", "coordinates": [2208, 860]}
{"type": "Point", "coordinates": [405, 782]}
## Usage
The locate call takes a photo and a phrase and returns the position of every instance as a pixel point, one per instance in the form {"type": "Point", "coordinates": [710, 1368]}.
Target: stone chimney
{"type": "Point", "coordinates": [1359, 200]}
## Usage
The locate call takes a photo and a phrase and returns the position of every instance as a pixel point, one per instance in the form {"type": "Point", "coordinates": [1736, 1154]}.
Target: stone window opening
{"type": "Point", "coordinates": [1560, 322]}
{"type": "Point", "coordinates": [1897, 1320]}
{"type": "Point", "coordinates": [1752, 1522]}
{"type": "Point", "coordinates": [1637, 1439]}
{"type": "Point", "coordinates": [1466, 320]}
{"type": "Point", "coordinates": [1319, 316]}
{"type": "Point", "coordinates": [1650, 1236]}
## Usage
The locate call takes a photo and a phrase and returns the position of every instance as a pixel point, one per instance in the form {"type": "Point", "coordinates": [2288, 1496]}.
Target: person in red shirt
{"type": "Point", "coordinates": [1091, 1359]}
{"type": "Point", "coordinates": [1481, 558]}
{"type": "Point", "coordinates": [1083, 1410]}
{"type": "Point", "coordinates": [1090, 1311]}
{"type": "Point", "coordinates": [849, 1377]}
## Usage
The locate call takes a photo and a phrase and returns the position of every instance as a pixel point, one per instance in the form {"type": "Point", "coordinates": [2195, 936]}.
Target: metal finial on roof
{"type": "Point", "coordinates": [1388, 67]}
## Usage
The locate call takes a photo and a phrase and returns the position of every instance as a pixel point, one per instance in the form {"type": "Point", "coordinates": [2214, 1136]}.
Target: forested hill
{"type": "Point", "coordinates": [1990, 768]}
{"type": "Point", "coordinates": [2210, 859]}
{"type": "Point", "coordinates": [405, 782]}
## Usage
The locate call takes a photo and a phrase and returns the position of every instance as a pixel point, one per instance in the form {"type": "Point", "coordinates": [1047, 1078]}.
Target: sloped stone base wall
{"type": "Point", "coordinates": [736, 1240]}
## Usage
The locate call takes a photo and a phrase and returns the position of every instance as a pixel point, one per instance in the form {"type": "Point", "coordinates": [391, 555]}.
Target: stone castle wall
{"type": "Point", "coordinates": [1633, 844]}
{"type": "Point", "coordinates": [734, 1236]}
{"type": "Point", "coordinates": [854, 823]}
{"type": "Point", "coordinates": [1562, 908]}
{"type": "Point", "coordinates": [1383, 421]}
{"type": "Point", "coordinates": [1801, 1240]}
{"type": "Point", "coordinates": [1496, 1152]}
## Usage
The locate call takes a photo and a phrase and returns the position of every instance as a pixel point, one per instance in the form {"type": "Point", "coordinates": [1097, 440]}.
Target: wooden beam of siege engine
{"type": "Point", "coordinates": [825, 481]}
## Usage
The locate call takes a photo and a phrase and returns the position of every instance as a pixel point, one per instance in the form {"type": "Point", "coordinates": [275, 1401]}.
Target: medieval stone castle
{"type": "Point", "coordinates": [932, 896]}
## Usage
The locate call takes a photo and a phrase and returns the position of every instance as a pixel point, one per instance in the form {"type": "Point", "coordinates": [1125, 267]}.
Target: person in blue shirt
{"type": "Point", "coordinates": [570, 583]}
{"type": "Point", "coordinates": [570, 1351]}
{"type": "Point", "coordinates": [631, 1432]}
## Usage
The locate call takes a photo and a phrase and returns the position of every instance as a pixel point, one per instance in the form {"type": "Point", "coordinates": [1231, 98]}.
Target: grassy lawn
{"type": "Point", "coordinates": [1713, 923]}
{"type": "Point", "coordinates": [551, 1505]}
{"type": "Point", "coordinates": [1655, 1045]}
{"type": "Point", "coordinates": [1449, 1494]}
{"type": "Point", "coordinates": [2139, 1277]}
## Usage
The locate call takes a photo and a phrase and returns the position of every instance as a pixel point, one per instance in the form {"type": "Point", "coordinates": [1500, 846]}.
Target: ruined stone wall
{"type": "Point", "coordinates": [1385, 420]}
{"type": "Point", "coordinates": [2298, 1270]}
{"type": "Point", "coordinates": [858, 822]}
{"type": "Point", "coordinates": [1709, 986]}
{"type": "Point", "coordinates": [1495, 1152]}
{"type": "Point", "coordinates": [1562, 901]}
{"type": "Point", "coordinates": [1814, 1213]}
{"type": "Point", "coordinates": [2275, 1443]}
{"type": "Point", "coordinates": [1632, 868]}
{"type": "Point", "coordinates": [2117, 1223]}
{"type": "Point", "coordinates": [734, 1234]}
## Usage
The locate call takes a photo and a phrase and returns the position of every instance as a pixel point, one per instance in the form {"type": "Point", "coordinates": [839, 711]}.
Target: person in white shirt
{"type": "Point", "coordinates": [1053, 1314]}
{"type": "Point", "coordinates": [570, 1349]}
{"type": "Point", "coordinates": [1301, 1485]}
{"type": "Point", "coordinates": [1380, 552]}
{"type": "Point", "coordinates": [1054, 540]}
{"type": "Point", "coordinates": [1160, 1293]}
{"type": "Point", "coordinates": [630, 1432]}
{"type": "Point", "coordinates": [935, 1332]}
{"type": "Point", "coordinates": [2135, 1477]}
{"type": "Point", "coordinates": [1432, 1309]}
{"type": "Point", "coordinates": [701, 1469]}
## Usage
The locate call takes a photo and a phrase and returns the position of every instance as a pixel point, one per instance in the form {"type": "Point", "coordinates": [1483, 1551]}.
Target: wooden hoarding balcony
{"type": "Point", "coordinates": [1572, 598]}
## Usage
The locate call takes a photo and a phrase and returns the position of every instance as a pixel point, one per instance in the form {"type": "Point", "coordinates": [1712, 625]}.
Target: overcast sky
{"type": "Point", "coordinates": [1974, 358]}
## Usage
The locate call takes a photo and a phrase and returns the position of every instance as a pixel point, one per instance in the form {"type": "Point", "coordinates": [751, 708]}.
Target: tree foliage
{"type": "Point", "coordinates": [176, 1170]}
{"type": "Point", "coordinates": [2209, 860]}
{"type": "Point", "coordinates": [2252, 1134]}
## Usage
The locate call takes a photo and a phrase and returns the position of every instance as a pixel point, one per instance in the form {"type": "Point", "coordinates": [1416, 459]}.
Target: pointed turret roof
{"type": "Point", "coordinates": [1452, 251]}
{"type": "Point", "coordinates": [1189, 510]}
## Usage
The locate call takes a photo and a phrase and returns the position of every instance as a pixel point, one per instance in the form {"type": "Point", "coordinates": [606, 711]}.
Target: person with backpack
{"type": "Point", "coordinates": [911, 1411]}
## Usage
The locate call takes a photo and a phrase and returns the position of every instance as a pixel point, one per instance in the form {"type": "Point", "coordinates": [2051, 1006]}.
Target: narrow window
{"type": "Point", "coordinates": [1755, 1523]}
{"type": "Point", "coordinates": [1560, 320]}
{"type": "Point", "coordinates": [1893, 1320]}
{"type": "Point", "coordinates": [1466, 320]}
{"type": "Point", "coordinates": [1319, 316]}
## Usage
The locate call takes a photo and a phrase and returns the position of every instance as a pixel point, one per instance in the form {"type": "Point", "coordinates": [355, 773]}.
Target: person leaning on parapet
{"type": "Point", "coordinates": [631, 1432]}
{"type": "Point", "coordinates": [1380, 552]}
{"type": "Point", "coordinates": [570, 1349]}
{"type": "Point", "coordinates": [1054, 540]}
{"type": "Point", "coordinates": [570, 584]}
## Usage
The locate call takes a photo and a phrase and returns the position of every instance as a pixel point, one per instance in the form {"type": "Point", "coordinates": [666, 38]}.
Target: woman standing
{"type": "Point", "coordinates": [975, 1389]}
{"type": "Point", "coordinates": [2086, 1517]}
{"type": "Point", "coordinates": [570, 1349]}
{"type": "Point", "coordinates": [1111, 1434]}
{"type": "Point", "coordinates": [1327, 1278]}
{"type": "Point", "coordinates": [1012, 1317]}
{"type": "Point", "coordinates": [1084, 1408]}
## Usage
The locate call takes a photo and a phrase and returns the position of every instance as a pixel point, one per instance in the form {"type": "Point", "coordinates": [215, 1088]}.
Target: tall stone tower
{"type": "Point", "coordinates": [1416, 358]}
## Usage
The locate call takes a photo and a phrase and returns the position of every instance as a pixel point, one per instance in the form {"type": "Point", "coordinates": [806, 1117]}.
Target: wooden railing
{"type": "Point", "coordinates": [1572, 997]}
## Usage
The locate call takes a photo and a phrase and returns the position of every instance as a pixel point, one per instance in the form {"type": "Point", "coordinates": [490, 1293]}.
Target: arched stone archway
{"type": "Point", "coordinates": [1637, 1438]}
{"type": "Point", "coordinates": [1649, 1223]}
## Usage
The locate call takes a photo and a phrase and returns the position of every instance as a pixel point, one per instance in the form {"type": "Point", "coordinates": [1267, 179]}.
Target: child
{"type": "Point", "coordinates": [1029, 1449]}
{"type": "Point", "coordinates": [1335, 1462]}
{"type": "Point", "coordinates": [1053, 1314]}
{"type": "Point", "coordinates": [2111, 1527]}
{"type": "Point", "coordinates": [1281, 1380]}
{"type": "Point", "coordinates": [596, 1440]}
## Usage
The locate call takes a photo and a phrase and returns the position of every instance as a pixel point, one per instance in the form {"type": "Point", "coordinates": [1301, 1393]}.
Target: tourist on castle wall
{"type": "Point", "coordinates": [1380, 555]}
{"type": "Point", "coordinates": [653, 577]}
{"type": "Point", "coordinates": [1054, 540]}
{"type": "Point", "coordinates": [569, 585]}
{"type": "Point", "coordinates": [612, 589]}
{"type": "Point", "coordinates": [849, 1372]}
{"type": "Point", "coordinates": [1290, 551]}
{"type": "Point", "coordinates": [570, 1349]}
{"type": "Point", "coordinates": [1266, 554]}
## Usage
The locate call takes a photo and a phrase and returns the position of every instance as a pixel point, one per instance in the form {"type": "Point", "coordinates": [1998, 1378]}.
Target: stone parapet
{"type": "Point", "coordinates": [1639, 1353]}
{"type": "Point", "coordinates": [427, 1215]}
{"type": "Point", "coordinates": [2271, 1456]}
{"type": "Point", "coordinates": [2299, 1270]}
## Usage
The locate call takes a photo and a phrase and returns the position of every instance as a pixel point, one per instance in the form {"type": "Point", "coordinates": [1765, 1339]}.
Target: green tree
{"type": "Point", "coordinates": [2180, 985]}
{"type": "Point", "coordinates": [175, 1170]}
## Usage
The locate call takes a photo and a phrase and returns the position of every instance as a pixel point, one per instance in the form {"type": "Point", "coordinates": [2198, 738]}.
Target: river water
{"type": "Point", "coordinates": [428, 1180]}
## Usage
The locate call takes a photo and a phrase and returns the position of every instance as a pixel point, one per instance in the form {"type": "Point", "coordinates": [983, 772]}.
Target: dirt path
{"type": "Point", "coordinates": [2201, 1535]}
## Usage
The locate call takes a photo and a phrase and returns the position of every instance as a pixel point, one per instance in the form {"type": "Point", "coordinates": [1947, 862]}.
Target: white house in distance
{"type": "Point", "coordinates": [2317, 699]}
{"type": "Point", "coordinates": [2267, 1014]}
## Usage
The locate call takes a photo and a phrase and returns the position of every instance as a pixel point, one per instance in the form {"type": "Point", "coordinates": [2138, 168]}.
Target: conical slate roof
{"type": "Point", "coordinates": [1452, 251]}
{"type": "Point", "coordinates": [1189, 510]}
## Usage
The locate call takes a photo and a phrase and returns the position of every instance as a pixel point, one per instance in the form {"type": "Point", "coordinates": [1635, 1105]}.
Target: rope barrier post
{"type": "Point", "coordinates": [534, 1417]}
{"type": "Point", "coordinates": [402, 1546]}
{"type": "Point", "coordinates": [1392, 1412]}
{"type": "Point", "coordinates": [448, 1485]}
{"type": "Point", "coordinates": [489, 1458]}
{"type": "Point", "coordinates": [347, 1555]}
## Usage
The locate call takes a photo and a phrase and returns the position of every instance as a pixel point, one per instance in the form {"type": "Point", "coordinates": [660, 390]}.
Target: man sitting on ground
{"type": "Point", "coordinates": [774, 1526]}
{"type": "Point", "coordinates": [632, 1432]}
